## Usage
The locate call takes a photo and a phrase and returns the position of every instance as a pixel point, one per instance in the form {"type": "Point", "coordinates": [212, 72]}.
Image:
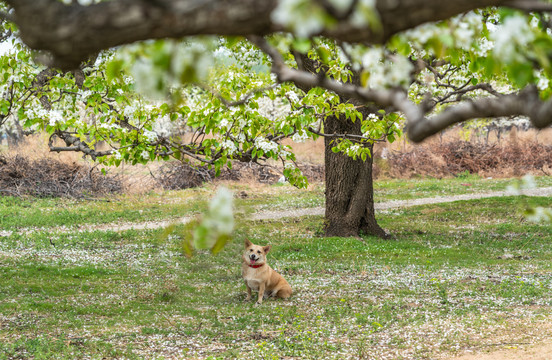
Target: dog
{"type": "Point", "coordinates": [259, 276]}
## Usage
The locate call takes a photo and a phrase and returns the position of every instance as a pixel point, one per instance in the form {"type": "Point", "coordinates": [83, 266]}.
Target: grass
{"type": "Point", "coordinates": [47, 213]}
{"type": "Point", "coordinates": [456, 275]}
{"type": "Point", "coordinates": [406, 189]}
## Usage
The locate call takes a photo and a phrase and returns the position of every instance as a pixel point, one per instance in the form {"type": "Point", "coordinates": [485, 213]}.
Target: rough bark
{"type": "Point", "coordinates": [349, 187]}
{"type": "Point", "coordinates": [72, 33]}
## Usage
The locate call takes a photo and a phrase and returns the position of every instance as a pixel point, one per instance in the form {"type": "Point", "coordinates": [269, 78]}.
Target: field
{"type": "Point", "coordinates": [461, 276]}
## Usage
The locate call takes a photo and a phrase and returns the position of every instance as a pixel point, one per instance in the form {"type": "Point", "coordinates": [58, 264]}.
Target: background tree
{"type": "Point", "coordinates": [435, 63]}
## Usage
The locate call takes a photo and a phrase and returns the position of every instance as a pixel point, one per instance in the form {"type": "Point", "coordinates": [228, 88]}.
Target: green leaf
{"type": "Point", "coordinates": [113, 69]}
{"type": "Point", "coordinates": [521, 73]}
{"type": "Point", "coordinates": [220, 243]}
{"type": "Point", "coordinates": [302, 45]}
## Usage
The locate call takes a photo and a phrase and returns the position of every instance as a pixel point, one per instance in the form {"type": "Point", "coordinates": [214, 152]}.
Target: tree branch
{"type": "Point", "coordinates": [75, 144]}
{"type": "Point", "coordinates": [72, 33]}
{"type": "Point", "coordinates": [529, 5]}
{"type": "Point", "coordinates": [395, 98]}
{"type": "Point", "coordinates": [525, 103]}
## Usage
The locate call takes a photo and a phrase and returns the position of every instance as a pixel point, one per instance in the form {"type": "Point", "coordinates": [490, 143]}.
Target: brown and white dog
{"type": "Point", "coordinates": [259, 276]}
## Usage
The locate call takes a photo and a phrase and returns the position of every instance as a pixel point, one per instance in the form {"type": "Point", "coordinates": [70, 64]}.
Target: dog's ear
{"type": "Point", "coordinates": [247, 243]}
{"type": "Point", "coordinates": [267, 248]}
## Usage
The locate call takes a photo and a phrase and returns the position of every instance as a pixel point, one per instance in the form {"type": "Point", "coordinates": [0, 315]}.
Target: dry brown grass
{"type": "Point", "coordinates": [449, 155]}
{"type": "Point", "coordinates": [31, 169]}
{"type": "Point", "coordinates": [439, 156]}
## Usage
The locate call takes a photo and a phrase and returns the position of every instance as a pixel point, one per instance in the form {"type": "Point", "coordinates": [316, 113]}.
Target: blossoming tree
{"type": "Point", "coordinates": [346, 70]}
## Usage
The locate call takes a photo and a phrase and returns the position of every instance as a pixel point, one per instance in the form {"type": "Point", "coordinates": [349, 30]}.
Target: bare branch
{"type": "Point", "coordinates": [526, 103]}
{"type": "Point", "coordinates": [75, 144]}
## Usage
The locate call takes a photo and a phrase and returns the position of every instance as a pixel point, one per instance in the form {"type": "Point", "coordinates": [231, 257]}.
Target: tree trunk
{"type": "Point", "coordinates": [349, 187]}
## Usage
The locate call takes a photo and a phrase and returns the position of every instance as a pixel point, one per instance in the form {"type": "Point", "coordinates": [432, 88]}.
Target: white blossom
{"type": "Point", "coordinates": [151, 136]}
{"type": "Point", "coordinates": [56, 117]}
{"type": "Point", "coordinates": [229, 146]}
{"type": "Point", "coordinates": [514, 34]}
{"type": "Point", "coordinates": [372, 117]}
{"type": "Point", "coordinates": [300, 136]}
{"type": "Point", "coordinates": [292, 14]}
{"type": "Point", "coordinates": [265, 145]}
{"type": "Point", "coordinates": [543, 82]}
{"type": "Point", "coordinates": [359, 17]}
{"type": "Point", "coordinates": [145, 154]}
{"type": "Point", "coordinates": [117, 155]}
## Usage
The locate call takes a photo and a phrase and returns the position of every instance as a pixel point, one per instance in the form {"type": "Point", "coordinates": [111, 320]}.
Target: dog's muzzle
{"type": "Point", "coordinates": [253, 258]}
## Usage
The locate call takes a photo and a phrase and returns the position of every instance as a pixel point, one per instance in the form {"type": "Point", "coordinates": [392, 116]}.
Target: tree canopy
{"type": "Point", "coordinates": [241, 76]}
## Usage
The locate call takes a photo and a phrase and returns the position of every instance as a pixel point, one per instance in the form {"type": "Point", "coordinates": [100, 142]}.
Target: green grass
{"type": "Point", "coordinates": [402, 189]}
{"type": "Point", "coordinates": [17, 213]}
{"type": "Point", "coordinates": [455, 275]}
{"type": "Point", "coordinates": [43, 213]}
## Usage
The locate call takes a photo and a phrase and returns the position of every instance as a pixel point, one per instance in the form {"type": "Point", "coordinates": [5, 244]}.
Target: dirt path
{"type": "Point", "coordinates": [401, 203]}
{"type": "Point", "coordinates": [539, 352]}
{"type": "Point", "coordinates": [280, 214]}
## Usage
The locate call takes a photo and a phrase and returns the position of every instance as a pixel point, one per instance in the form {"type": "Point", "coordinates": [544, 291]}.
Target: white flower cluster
{"type": "Point", "coordinates": [82, 95]}
{"type": "Point", "coordinates": [229, 146]}
{"type": "Point", "coordinates": [364, 10]}
{"type": "Point", "coordinates": [372, 117]}
{"type": "Point", "coordinates": [117, 155]}
{"type": "Point", "coordinates": [293, 96]}
{"type": "Point", "coordinates": [224, 123]}
{"type": "Point", "coordinates": [193, 55]}
{"type": "Point", "coordinates": [300, 136]}
{"type": "Point", "coordinates": [289, 165]}
{"type": "Point", "coordinates": [163, 126]}
{"type": "Point", "coordinates": [542, 81]}
{"type": "Point", "coordinates": [540, 214]}
{"type": "Point", "coordinates": [464, 27]}
{"type": "Point", "coordinates": [56, 117]}
{"type": "Point", "coordinates": [265, 145]}
{"type": "Point", "coordinates": [273, 109]}
{"type": "Point", "coordinates": [217, 221]}
{"type": "Point", "coordinates": [383, 72]}
{"type": "Point", "coordinates": [145, 154]}
{"type": "Point", "coordinates": [352, 150]}
{"type": "Point", "coordinates": [37, 112]}
{"type": "Point", "coordinates": [153, 80]}
{"type": "Point", "coordinates": [151, 136]}
{"type": "Point", "coordinates": [129, 111]}
{"type": "Point", "coordinates": [511, 37]}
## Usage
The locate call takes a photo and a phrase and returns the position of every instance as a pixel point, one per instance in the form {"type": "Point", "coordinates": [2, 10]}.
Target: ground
{"type": "Point", "coordinates": [459, 278]}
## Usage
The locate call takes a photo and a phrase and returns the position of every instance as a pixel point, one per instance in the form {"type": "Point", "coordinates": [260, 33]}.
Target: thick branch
{"type": "Point", "coordinates": [526, 103]}
{"type": "Point", "coordinates": [75, 144]}
{"type": "Point", "coordinates": [72, 33]}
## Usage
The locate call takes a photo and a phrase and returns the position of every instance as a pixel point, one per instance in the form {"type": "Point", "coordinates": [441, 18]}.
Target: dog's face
{"type": "Point", "coordinates": [255, 254]}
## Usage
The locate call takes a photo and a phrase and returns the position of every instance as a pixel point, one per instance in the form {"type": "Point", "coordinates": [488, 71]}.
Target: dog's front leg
{"type": "Point", "coordinates": [248, 292]}
{"type": "Point", "coordinates": [261, 293]}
